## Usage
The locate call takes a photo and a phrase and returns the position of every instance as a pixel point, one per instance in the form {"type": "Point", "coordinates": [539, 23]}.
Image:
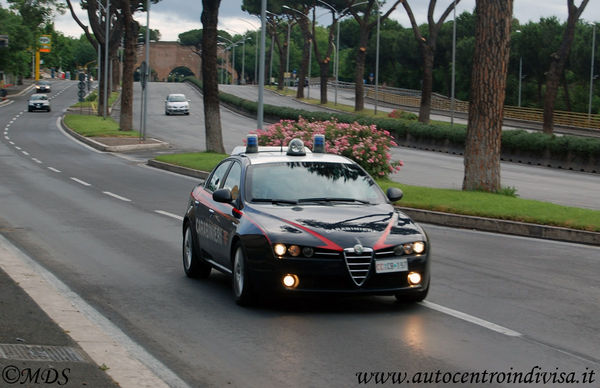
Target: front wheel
{"type": "Point", "coordinates": [242, 283]}
{"type": "Point", "coordinates": [193, 265]}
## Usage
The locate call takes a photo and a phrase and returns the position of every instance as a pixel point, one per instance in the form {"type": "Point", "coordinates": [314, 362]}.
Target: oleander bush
{"type": "Point", "coordinates": [366, 145]}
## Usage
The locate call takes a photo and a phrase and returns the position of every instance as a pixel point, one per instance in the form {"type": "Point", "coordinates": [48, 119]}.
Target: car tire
{"type": "Point", "coordinates": [48, 109]}
{"type": "Point", "coordinates": [193, 265]}
{"type": "Point", "coordinates": [243, 290]}
{"type": "Point", "coordinates": [29, 109]}
{"type": "Point", "coordinates": [415, 297]}
{"type": "Point", "coordinates": [166, 113]}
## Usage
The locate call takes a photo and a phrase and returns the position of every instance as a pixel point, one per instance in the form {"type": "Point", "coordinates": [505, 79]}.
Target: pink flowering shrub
{"type": "Point", "coordinates": [366, 145]}
{"type": "Point", "coordinates": [400, 114]}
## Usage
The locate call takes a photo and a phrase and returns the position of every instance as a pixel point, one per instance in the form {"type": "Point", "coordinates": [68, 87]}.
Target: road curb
{"type": "Point", "coordinates": [116, 148]}
{"type": "Point", "coordinates": [503, 226]}
{"type": "Point", "coordinates": [178, 169]}
{"type": "Point", "coordinates": [456, 220]}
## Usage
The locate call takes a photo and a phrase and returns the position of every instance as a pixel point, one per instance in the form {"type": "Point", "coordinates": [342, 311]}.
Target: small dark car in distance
{"type": "Point", "coordinates": [38, 102]}
{"type": "Point", "coordinates": [288, 220]}
{"type": "Point", "coordinates": [42, 87]}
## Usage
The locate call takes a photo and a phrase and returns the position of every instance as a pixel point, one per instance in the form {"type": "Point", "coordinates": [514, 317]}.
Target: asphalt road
{"type": "Point", "coordinates": [108, 227]}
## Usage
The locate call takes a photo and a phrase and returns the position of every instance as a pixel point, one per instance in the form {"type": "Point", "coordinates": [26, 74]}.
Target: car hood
{"type": "Point", "coordinates": [337, 226]}
{"type": "Point", "coordinates": [177, 104]}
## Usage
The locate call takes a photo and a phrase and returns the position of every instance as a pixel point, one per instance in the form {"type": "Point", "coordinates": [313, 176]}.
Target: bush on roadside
{"type": "Point", "coordinates": [366, 145]}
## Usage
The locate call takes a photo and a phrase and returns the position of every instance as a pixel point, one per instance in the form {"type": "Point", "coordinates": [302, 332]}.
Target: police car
{"type": "Point", "coordinates": [292, 220]}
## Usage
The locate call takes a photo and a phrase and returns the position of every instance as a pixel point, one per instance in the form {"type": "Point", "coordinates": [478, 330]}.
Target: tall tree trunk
{"type": "Point", "coordinates": [557, 66]}
{"type": "Point", "coordinates": [131, 31]}
{"type": "Point", "coordinates": [427, 88]}
{"type": "Point", "coordinates": [488, 88]}
{"type": "Point", "coordinates": [212, 115]}
{"type": "Point", "coordinates": [361, 56]}
{"type": "Point", "coordinates": [324, 72]}
{"type": "Point", "coordinates": [427, 46]}
{"type": "Point", "coordinates": [302, 74]}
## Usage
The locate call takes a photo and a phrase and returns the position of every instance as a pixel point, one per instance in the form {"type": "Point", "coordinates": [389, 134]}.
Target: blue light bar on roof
{"type": "Point", "coordinates": [252, 144]}
{"type": "Point", "coordinates": [319, 144]}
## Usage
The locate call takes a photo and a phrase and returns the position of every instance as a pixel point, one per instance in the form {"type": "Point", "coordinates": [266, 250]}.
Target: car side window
{"type": "Point", "coordinates": [217, 176]}
{"type": "Point", "coordinates": [232, 182]}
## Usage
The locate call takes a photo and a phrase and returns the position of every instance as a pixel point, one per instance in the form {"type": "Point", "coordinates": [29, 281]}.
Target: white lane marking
{"type": "Point", "coordinates": [164, 213]}
{"type": "Point", "coordinates": [11, 142]}
{"type": "Point", "coordinates": [25, 153]}
{"type": "Point", "coordinates": [116, 196]}
{"type": "Point", "coordinates": [36, 160]}
{"type": "Point", "coordinates": [6, 137]}
{"type": "Point", "coordinates": [17, 147]}
{"type": "Point", "coordinates": [471, 319]}
{"type": "Point", "coordinates": [53, 169]}
{"type": "Point", "coordinates": [81, 182]}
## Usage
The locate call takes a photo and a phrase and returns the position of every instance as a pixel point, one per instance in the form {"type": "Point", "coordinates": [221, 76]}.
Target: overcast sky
{"type": "Point", "coordinates": [172, 17]}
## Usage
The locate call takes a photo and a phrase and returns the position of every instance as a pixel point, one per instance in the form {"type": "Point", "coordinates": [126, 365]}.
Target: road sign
{"type": "Point", "coordinates": [45, 43]}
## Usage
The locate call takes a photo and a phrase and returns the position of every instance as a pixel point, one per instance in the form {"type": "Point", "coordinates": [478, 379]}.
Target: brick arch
{"type": "Point", "coordinates": [166, 56]}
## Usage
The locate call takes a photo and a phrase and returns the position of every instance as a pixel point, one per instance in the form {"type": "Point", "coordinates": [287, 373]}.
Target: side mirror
{"type": "Point", "coordinates": [394, 194]}
{"type": "Point", "coordinates": [222, 195]}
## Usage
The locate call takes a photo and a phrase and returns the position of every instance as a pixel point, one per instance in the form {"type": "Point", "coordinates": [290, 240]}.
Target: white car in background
{"type": "Point", "coordinates": [177, 104]}
{"type": "Point", "coordinates": [38, 102]}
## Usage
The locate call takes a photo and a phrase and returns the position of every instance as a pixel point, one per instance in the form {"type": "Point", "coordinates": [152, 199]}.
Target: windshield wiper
{"type": "Point", "coordinates": [275, 200]}
{"type": "Point", "coordinates": [331, 199]}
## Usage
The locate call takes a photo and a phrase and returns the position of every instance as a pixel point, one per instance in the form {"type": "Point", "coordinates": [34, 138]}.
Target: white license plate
{"type": "Point", "coordinates": [391, 265]}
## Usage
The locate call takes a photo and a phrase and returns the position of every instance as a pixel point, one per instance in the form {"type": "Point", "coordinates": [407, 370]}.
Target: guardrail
{"type": "Point", "coordinates": [400, 97]}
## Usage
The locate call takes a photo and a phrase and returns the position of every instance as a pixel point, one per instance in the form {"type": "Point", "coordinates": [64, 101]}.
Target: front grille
{"type": "Point", "coordinates": [359, 264]}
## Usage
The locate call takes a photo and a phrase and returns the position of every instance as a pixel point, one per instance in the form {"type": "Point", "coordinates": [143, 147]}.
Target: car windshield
{"type": "Point", "coordinates": [311, 182]}
{"type": "Point", "coordinates": [44, 83]}
{"type": "Point", "coordinates": [39, 97]}
{"type": "Point", "coordinates": [176, 98]}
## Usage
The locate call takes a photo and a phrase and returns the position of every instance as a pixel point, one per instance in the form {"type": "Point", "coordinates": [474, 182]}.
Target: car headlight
{"type": "Point", "coordinates": [417, 247]}
{"type": "Point", "coordinates": [293, 250]}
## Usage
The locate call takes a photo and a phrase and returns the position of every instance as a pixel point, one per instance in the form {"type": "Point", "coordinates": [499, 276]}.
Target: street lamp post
{"type": "Point", "coordinates": [287, 61]}
{"type": "Point", "coordinates": [261, 73]}
{"type": "Point", "coordinates": [453, 84]}
{"type": "Point", "coordinates": [592, 72]}
{"type": "Point", "coordinates": [255, 54]}
{"type": "Point", "coordinates": [376, 60]}
{"type": "Point", "coordinates": [520, 79]}
{"type": "Point", "coordinates": [107, 39]}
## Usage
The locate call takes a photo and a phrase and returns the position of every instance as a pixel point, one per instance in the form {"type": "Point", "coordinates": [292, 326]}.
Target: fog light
{"type": "Point", "coordinates": [279, 249]}
{"type": "Point", "coordinates": [414, 278]}
{"type": "Point", "coordinates": [290, 281]}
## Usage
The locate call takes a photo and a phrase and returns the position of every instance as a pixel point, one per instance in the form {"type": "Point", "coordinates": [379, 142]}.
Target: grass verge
{"type": "Point", "coordinates": [96, 126]}
{"type": "Point", "coordinates": [472, 203]}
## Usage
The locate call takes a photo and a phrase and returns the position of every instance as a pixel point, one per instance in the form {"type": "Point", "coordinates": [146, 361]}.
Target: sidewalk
{"type": "Point", "coordinates": [34, 350]}
{"type": "Point", "coordinates": [50, 337]}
